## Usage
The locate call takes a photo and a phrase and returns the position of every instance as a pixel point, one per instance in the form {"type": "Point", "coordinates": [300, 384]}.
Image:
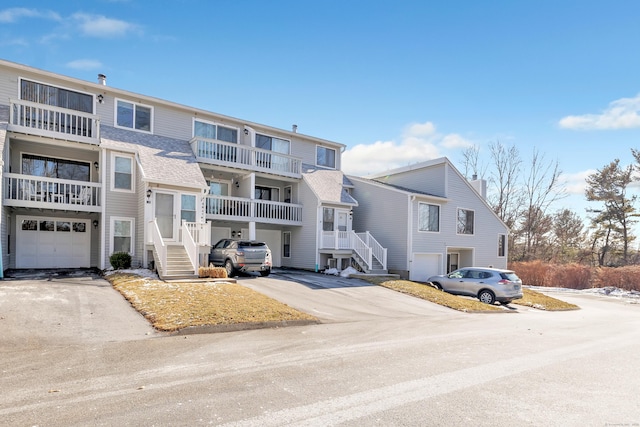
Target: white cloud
{"type": "Point", "coordinates": [84, 64]}
{"type": "Point", "coordinates": [575, 183]}
{"type": "Point", "coordinates": [14, 42]}
{"type": "Point", "coordinates": [620, 114]}
{"type": "Point", "coordinates": [101, 26]}
{"type": "Point", "coordinates": [419, 142]}
{"type": "Point", "coordinates": [15, 13]}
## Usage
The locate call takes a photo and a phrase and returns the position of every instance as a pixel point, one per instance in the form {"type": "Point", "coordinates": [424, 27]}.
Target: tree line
{"type": "Point", "coordinates": [524, 196]}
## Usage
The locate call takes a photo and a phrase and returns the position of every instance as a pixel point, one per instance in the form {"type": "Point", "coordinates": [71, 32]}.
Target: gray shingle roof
{"type": "Point", "coordinates": [163, 160]}
{"type": "Point", "coordinates": [327, 184]}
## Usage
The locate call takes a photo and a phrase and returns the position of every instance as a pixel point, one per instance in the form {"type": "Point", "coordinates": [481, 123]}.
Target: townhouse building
{"type": "Point", "coordinates": [89, 170]}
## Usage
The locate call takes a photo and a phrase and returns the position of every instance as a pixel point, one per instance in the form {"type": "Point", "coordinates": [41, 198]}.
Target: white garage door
{"type": "Point", "coordinates": [52, 242]}
{"type": "Point", "coordinates": [425, 265]}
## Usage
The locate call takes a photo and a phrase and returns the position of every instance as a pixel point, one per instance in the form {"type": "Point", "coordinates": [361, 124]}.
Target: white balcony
{"type": "Point", "coordinates": [256, 210]}
{"type": "Point", "coordinates": [247, 158]}
{"type": "Point", "coordinates": [53, 122]}
{"type": "Point", "coordinates": [50, 193]}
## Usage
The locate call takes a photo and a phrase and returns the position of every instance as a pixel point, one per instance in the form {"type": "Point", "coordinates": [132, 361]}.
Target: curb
{"type": "Point", "coordinates": [234, 327]}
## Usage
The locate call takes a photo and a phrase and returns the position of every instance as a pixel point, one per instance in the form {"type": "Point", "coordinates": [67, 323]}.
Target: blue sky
{"type": "Point", "coordinates": [397, 82]}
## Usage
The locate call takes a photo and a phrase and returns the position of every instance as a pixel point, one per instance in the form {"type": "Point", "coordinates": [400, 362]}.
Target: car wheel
{"type": "Point", "coordinates": [265, 273]}
{"type": "Point", "coordinates": [228, 265]}
{"type": "Point", "coordinates": [486, 296]}
{"type": "Point", "coordinates": [437, 285]}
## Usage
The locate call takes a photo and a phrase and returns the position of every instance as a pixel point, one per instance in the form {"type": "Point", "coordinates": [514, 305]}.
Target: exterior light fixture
{"type": "Point", "coordinates": [246, 131]}
{"type": "Point", "coordinates": [95, 223]}
{"type": "Point", "coordinates": [100, 99]}
{"type": "Point", "coordinates": [149, 196]}
{"type": "Point", "coordinates": [95, 164]}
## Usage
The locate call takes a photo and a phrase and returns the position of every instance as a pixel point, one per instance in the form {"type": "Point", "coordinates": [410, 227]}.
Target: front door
{"type": "Point", "coordinates": [165, 215]}
{"type": "Point", "coordinates": [342, 228]}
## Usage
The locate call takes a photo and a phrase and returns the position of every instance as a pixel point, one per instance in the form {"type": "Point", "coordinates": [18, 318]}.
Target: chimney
{"type": "Point", "coordinates": [102, 79]}
{"type": "Point", "coordinates": [480, 185]}
{"type": "Point", "coordinates": [294, 128]}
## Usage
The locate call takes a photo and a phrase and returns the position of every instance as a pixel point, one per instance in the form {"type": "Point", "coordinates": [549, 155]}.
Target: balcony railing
{"type": "Point", "coordinates": [241, 209]}
{"type": "Point", "coordinates": [51, 193]}
{"type": "Point", "coordinates": [54, 122]}
{"type": "Point", "coordinates": [245, 157]}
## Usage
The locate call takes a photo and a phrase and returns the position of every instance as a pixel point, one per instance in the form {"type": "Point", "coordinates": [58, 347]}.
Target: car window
{"type": "Point", "coordinates": [252, 244]}
{"type": "Point", "coordinates": [510, 276]}
{"type": "Point", "coordinates": [485, 274]}
{"type": "Point", "coordinates": [220, 244]}
{"type": "Point", "coordinates": [457, 274]}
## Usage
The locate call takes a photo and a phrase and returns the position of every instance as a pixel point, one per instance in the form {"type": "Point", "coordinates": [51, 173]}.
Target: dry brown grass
{"type": "Point", "coordinates": [530, 298]}
{"type": "Point", "coordinates": [174, 306]}
{"type": "Point", "coordinates": [543, 302]}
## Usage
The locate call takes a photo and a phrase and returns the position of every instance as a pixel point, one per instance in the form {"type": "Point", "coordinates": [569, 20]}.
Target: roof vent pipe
{"type": "Point", "coordinates": [102, 79]}
{"type": "Point", "coordinates": [474, 177]}
{"type": "Point", "coordinates": [294, 128]}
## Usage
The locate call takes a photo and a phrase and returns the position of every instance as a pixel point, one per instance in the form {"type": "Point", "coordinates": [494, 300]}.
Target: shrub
{"type": "Point", "coordinates": [532, 273]}
{"type": "Point", "coordinates": [212, 272]}
{"type": "Point", "coordinates": [120, 260]}
{"type": "Point", "coordinates": [627, 278]}
{"type": "Point", "coordinates": [574, 276]}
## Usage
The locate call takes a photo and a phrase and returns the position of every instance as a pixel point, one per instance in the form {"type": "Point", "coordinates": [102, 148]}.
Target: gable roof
{"type": "Point", "coordinates": [398, 188]}
{"type": "Point", "coordinates": [327, 185]}
{"type": "Point", "coordinates": [162, 160]}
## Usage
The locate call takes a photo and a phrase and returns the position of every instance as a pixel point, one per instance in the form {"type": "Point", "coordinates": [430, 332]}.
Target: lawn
{"type": "Point", "coordinates": [174, 306]}
{"type": "Point", "coordinates": [530, 298]}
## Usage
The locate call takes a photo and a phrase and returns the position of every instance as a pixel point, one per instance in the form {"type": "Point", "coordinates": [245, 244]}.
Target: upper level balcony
{"type": "Point", "coordinates": [245, 157]}
{"type": "Point", "coordinates": [50, 193]}
{"type": "Point", "coordinates": [53, 122]}
{"type": "Point", "coordinates": [255, 210]}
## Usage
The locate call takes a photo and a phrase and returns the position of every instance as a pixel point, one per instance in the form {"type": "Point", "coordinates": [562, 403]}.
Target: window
{"type": "Point", "coordinates": [55, 96]}
{"type": "Point", "coordinates": [428, 217]}
{"type": "Point", "coordinates": [122, 173]}
{"type": "Point", "coordinates": [325, 157]}
{"type": "Point", "coordinates": [55, 168]}
{"type": "Point", "coordinates": [133, 116]}
{"type": "Point", "coordinates": [122, 235]}
{"type": "Point", "coordinates": [465, 221]}
{"type": "Point", "coordinates": [214, 131]}
{"type": "Point", "coordinates": [188, 208]}
{"type": "Point", "coordinates": [328, 219]}
{"type": "Point", "coordinates": [287, 194]}
{"type": "Point", "coordinates": [267, 193]}
{"type": "Point", "coordinates": [502, 240]}
{"type": "Point", "coordinates": [276, 145]}
{"type": "Point", "coordinates": [286, 244]}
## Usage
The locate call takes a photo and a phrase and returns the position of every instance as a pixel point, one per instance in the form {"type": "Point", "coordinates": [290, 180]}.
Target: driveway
{"type": "Point", "coordinates": [48, 308]}
{"type": "Point", "coordinates": [338, 299]}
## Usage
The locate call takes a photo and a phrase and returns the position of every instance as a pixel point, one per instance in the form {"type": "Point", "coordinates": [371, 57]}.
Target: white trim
{"type": "Point", "coordinates": [283, 242]}
{"type": "Point", "coordinates": [112, 221]}
{"type": "Point", "coordinates": [216, 124]}
{"type": "Point", "coordinates": [439, 218]}
{"type": "Point", "coordinates": [133, 128]}
{"type": "Point", "coordinates": [20, 79]}
{"type": "Point", "coordinates": [335, 157]}
{"type": "Point", "coordinates": [112, 184]}
{"type": "Point", "coordinates": [458, 209]}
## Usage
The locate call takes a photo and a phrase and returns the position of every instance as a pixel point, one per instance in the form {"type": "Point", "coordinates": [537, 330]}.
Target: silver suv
{"type": "Point", "coordinates": [241, 255]}
{"type": "Point", "coordinates": [487, 284]}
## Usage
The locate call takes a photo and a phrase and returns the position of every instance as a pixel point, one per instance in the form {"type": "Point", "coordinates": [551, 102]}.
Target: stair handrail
{"type": "Point", "coordinates": [360, 247]}
{"type": "Point", "coordinates": [190, 246]}
{"type": "Point", "coordinates": [159, 245]}
{"type": "Point", "coordinates": [378, 252]}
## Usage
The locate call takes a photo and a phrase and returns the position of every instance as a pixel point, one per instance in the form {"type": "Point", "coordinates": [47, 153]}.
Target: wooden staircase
{"type": "Point", "coordinates": [178, 264]}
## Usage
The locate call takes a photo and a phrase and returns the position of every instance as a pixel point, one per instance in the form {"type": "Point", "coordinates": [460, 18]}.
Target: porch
{"type": "Point", "coordinates": [247, 158]}
{"type": "Point", "coordinates": [38, 192]}
{"type": "Point", "coordinates": [53, 122]}
{"type": "Point", "coordinates": [252, 210]}
{"type": "Point", "coordinates": [365, 249]}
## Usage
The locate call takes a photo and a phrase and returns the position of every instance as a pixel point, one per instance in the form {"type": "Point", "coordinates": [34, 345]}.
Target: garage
{"type": "Point", "coordinates": [43, 242]}
{"type": "Point", "coordinates": [424, 266]}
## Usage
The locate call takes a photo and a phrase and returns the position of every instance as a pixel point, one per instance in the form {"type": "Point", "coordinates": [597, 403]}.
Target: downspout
{"type": "Point", "coordinates": [318, 235]}
{"type": "Point", "coordinates": [411, 199]}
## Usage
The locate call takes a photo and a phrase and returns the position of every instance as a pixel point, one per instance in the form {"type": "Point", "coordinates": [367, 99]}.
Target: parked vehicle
{"type": "Point", "coordinates": [487, 284]}
{"type": "Point", "coordinates": [241, 255]}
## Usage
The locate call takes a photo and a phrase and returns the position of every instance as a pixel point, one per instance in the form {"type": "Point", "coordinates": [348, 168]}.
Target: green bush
{"type": "Point", "coordinates": [120, 260]}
